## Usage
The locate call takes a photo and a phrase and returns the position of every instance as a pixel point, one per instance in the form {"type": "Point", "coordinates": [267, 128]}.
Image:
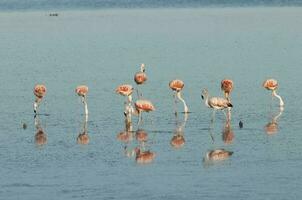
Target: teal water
{"type": "Point", "coordinates": [102, 49]}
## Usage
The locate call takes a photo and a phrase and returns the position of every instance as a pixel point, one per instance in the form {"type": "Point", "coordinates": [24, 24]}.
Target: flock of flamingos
{"type": "Point", "coordinates": [144, 105]}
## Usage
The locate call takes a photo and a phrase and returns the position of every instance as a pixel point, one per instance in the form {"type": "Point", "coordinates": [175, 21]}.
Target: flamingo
{"type": "Point", "coordinates": [140, 78]}
{"type": "Point", "coordinates": [272, 84]}
{"type": "Point", "coordinates": [126, 90]}
{"type": "Point", "coordinates": [82, 91]}
{"type": "Point", "coordinates": [144, 157]}
{"type": "Point", "coordinates": [217, 155]}
{"type": "Point", "coordinates": [177, 85]}
{"type": "Point", "coordinates": [217, 103]}
{"type": "Point", "coordinates": [143, 106]}
{"type": "Point", "coordinates": [227, 87]}
{"type": "Point", "coordinates": [39, 92]}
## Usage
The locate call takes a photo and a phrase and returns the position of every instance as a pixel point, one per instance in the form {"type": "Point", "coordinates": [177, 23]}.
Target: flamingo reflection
{"type": "Point", "coordinates": [140, 78]}
{"type": "Point", "coordinates": [227, 133]}
{"type": "Point", "coordinates": [272, 126]}
{"type": "Point", "coordinates": [217, 155]}
{"type": "Point", "coordinates": [83, 137]}
{"type": "Point", "coordinates": [40, 136]}
{"type": "Point", "coordinates": [144, 157]}
{"type": "Point", "coordinates": [178, 139]}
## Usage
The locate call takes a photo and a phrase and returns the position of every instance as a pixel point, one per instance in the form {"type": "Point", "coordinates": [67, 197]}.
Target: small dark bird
{"type": "Point", "coordinates": [240, 124]}
{"type": "Point", "coordinates": [24, 126]}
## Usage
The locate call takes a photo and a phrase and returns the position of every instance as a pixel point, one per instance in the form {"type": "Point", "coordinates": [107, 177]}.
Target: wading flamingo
{"type": "Point", "coordinates": [217, 154]}
{"type": "Point", "coordinates": [39, 92]}
{"type": "Point", "coordinates": [227, 87]}
{"type": "Point", "coordinates": [126, 90]}
{"type": "Point", "coordinates": [143, 106]}
{"type": "Point", "coordinates": [144, 157]}
{"type": "Point", "coordinates": [82, 91]}
{"type": "Point", "coordinates": [177, 85]}
{"type": "Point", "coordinates": [140, 78]}
{"type": "Point", "coordinates": [217, 103]}
{"type": "Point", "coordinates": [272, 84]}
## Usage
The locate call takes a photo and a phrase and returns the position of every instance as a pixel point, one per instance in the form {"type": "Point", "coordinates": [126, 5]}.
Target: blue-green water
{"type": "Point", "coordinates": [102, 49]}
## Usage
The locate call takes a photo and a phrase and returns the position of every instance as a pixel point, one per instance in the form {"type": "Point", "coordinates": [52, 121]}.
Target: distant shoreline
{"type": "Point", "coordinates": [58, 9]}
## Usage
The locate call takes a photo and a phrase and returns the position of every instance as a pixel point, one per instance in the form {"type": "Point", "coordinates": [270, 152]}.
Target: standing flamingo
{"type": "Point", "coordinates": [126, 90]}
{"type": "Point", "coordinates": [139, 78]}
{"type": "Point", "coordinates": [82, 91]}
{"type": "Point", "coordinates": [39, 92]}
{"type": "Point", "coordinates": [272, 84]}
{"type": "Point", "coordinates": [217, 103]}
{"type": "Point", "coordinates": [143, 106]}
{"type": "Point", "coordinates": [227, 87]}
{"type": "Point", "coordinates": [177, 85]}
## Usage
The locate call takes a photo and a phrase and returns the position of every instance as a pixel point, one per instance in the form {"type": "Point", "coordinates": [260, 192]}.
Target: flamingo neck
{"type": "Point", "coordinates": [142, 68]}
{"type": "Point", "coordinates": [85, 106]}
{"type": "Point", "coordinates": [36, 104]}
{"type": "Point", "coordinates": [274, 120]}
{"type": "Point", "coordinates": [186, 109]}
{"type": "Point", "coordinates": [279, 97]}
{"type": "Point", "coordinates": [206, 97]}
{"type": "Point", "coordinates": [129, 98]}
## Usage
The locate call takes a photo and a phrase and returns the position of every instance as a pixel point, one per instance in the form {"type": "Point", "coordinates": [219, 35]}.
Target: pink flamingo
{"type": "Point", "coordinates": [227, 87]}
{"type": "Point", "coordinates": [140, 78]}
{"type": "Point", "coordinates": [272, 84]}
{"type": "Point", "coordinates": [126, 90]}
{"type": "Point", "coordinates": [39, 92]}
{"type": "Point", "coordinates": [177, 85]}
{"type": "Point", "coordinates": [143, 106]}
{"type": "Point", "coordinates": [82, 91]}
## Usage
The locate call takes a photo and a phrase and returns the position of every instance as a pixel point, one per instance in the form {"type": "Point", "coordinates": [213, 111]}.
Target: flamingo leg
{"type": "Point", "coordinates": [137, 92]}
{"type": "Point", "coordinates": [175, 104]}
{"type": "Point", "coordinates": [139, 118]}
{"type": "Point", "coordinates": [213, 116]}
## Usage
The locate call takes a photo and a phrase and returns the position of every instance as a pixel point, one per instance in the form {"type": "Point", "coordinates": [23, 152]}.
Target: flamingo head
{"type": "Point", "coordinates": [204, 93]}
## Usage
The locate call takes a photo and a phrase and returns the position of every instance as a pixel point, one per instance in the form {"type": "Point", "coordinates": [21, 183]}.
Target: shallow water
{"type": "Point", "coordinates": [103, 49]}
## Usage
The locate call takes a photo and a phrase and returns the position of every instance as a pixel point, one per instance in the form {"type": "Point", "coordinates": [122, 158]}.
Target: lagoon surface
{"type": "Point", "coordinates": [103, 49]}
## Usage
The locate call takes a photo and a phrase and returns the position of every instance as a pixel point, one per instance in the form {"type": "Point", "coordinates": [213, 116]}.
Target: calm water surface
{"type": "Point", "coordinates": [104, 49]}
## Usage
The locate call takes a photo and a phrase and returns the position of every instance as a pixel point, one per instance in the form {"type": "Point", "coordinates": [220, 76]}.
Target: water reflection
{"type": "Point", "coordinates": [272, 127]}
{"type": "Point", "coordinates": [178, 139]}
{"type": "Point", "coordinates": [218, 153]}
{"type": "Point", "coordinates": [83, 137]}
{"type": "Point", "coordinates": [138, 148]}
{"type": "Point", "coordinates": [227, 133]}
{"type": "Point", "coordinates": [40, 136]}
